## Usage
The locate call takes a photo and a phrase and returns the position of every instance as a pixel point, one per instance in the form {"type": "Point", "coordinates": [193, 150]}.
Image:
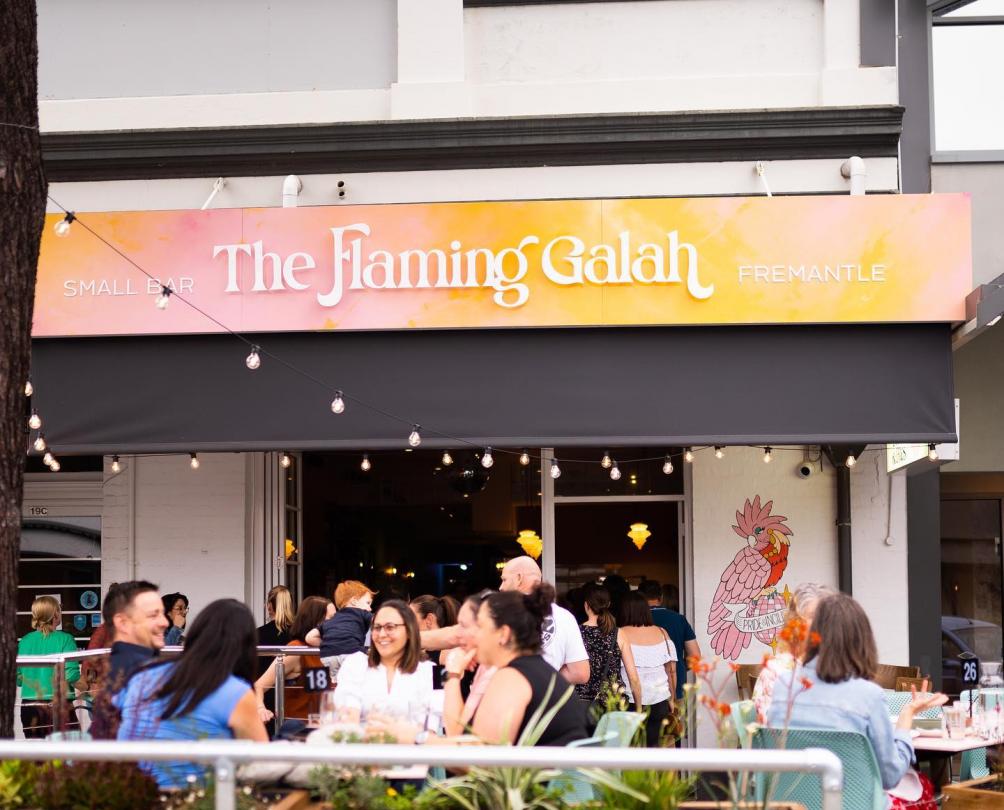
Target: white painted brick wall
{"type": "Point", "coordinates": [189, 525]}
{"type": "Point", "coordinates": [720, 487]}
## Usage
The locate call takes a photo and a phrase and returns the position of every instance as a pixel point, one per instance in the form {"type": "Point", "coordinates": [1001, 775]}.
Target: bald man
{"type": "Point", "coordinates": [561, 639]}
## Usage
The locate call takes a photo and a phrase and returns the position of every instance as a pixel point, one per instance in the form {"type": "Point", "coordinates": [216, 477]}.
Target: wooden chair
{"type": "Point", "coordinates": [746, 677]}
{"type": "Point", "coordinates": [888, 673]}
{"type": "Point", "coordinates": [906, 684]}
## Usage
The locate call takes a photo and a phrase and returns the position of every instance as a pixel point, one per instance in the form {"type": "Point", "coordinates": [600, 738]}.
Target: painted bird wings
{"type": "Point", "coordinates": [744, 578]}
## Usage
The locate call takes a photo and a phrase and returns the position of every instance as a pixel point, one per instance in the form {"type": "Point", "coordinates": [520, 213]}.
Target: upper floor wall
{"type": "Point", "coordinates": [111, 65]}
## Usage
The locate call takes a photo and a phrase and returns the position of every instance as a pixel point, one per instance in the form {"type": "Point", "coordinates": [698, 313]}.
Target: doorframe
{"type": "Point", "coordinates": [685, 551]}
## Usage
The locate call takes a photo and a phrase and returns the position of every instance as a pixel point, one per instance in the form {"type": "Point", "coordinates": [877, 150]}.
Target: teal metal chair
{"type": "Point", "coordinates": [862, 781]}
{"type": "Point", "coordinates": [623, 726]}
{"type": "Point", "coordinates": [973, 763]}
{"type": "Point", "coordinates": [895, 701]}
{"type": "Point", "coordinates": [574, 787]}
{"type": "Point", "coordinates": [743, 716]}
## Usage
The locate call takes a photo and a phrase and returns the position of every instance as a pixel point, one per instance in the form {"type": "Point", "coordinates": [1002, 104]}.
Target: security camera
{"type": "Point", "coordinates": [804, 470]}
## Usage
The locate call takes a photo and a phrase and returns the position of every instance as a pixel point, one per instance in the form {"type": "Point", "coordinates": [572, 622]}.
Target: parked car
{"type": "Point", "coordinates": [963, 635]}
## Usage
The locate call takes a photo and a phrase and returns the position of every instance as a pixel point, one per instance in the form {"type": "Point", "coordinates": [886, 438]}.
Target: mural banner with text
{"type": "Point", "coordinates": [826, 259]}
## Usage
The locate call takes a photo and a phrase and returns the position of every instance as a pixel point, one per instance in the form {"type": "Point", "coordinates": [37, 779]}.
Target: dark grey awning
{"type": "Point", "coordinates": [514, 388]}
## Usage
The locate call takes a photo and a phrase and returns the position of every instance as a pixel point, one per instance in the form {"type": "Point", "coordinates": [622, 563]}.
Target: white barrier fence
{"type": "Point", "coordinates": [224, 756]}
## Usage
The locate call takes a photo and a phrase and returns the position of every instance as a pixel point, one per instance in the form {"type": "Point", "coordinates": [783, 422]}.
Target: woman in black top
{"type": "Point", "coordinates": [281, 612]}
{"type": "Point", "coordinates": [607, 648]}
{"type": "Point", "coordinates": [508, 638]}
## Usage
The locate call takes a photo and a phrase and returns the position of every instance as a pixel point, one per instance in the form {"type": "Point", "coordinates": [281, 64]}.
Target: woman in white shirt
{"type": "Point", "coordinates": [655, 661]}
{"type": "Point", "coordinates": [392, 680]}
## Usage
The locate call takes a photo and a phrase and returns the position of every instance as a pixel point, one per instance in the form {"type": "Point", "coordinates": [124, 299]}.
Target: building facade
{"type": "Point", "coordinates": [440, 101]}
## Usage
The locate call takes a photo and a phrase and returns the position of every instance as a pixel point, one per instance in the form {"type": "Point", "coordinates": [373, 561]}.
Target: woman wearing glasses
{"type": "Point", "coordinates": [392, 680]}
{"type": "Point", "coordinates": [176, 610]}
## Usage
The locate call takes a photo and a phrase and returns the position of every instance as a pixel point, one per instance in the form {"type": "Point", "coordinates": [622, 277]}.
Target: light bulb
{"type": "Point", "coordinates": [194, 463]}
{"type": "Point", "coordinates": [605, 462]}
{"type": "Point", "coordinates": [851, 461]}
{"type": "Point", "coordinates": [253, 360]}
{"type": "Point", "coordinates": [932, 452]}
{"type": "Point", "coordinates": [524, 458]}
{"type": "Point", "coordinates": [285, 461]}
{"type": "Point", "coordinates": [767, 455]}
{"type": "Point", "coordinates": [62, 228]}
{"type": "Point", "coordinates": [719, 451]}
{"type": "Point", "coordinates": [688, 456]}
{"type": "Point", "coordinates": [54, 466]}
{"type": "Point", "coordinates": [555, 469]}
{"type": "Point", "coordinates": [116, 466]}
{"type": "Point", "coordinates": [667, 466]}
{"type": "Point", "coordinates": [164, 298]}
{"type": "Point", "coordinates": [415, 438]}
{"type": "Point", "coordinates": [29, 389]}
{"type": "Point", "coordinates": [47, 459]}
{"type": "Point", "coordinates": [34, 421]}
{"type": "Point", "coordinates": [486, 458]}
{"type": "Point", "coordinates": [365, 464]}
{"type": "Point", "coordinates": [447, 459]}
{"type": "Point", "coordinates": [615, 472]}
{"type": "Point", "coordinates": [338, 404]}
{"type": "Point", "coordinates": [40, 443]}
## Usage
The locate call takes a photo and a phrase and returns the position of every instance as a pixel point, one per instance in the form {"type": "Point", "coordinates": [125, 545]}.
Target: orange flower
{"type": "Point", "coordinates": [814, 637]}
{"type": "Point", "coordinates": [725, 709]}
{"type": "Point", "coordinates": [806, 683]}
{"type": "Point", "coordinates": [734, 667]}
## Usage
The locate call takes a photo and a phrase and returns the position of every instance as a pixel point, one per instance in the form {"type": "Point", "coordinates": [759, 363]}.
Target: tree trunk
{"type": "Point", "coordinates": [22, 217]}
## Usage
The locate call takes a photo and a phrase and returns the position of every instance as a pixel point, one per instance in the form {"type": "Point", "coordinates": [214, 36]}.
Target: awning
{"type": "Point", "coordinates": [679, 386]}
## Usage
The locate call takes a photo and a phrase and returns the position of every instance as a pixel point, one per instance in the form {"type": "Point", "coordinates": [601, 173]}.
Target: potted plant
{"type": "Point", "coordinates": [977, 794]}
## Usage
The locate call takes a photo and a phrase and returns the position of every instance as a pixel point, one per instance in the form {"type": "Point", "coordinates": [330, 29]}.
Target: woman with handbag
{"type": "Point", "coordinates": [608, 650]}
{"type": "Point", "coordinates": [655, 662]}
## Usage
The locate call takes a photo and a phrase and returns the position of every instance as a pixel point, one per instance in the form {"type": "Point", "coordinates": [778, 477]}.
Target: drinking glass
{"type": "Point", "coordinates": [955, 722]}
{"type": "Point", "coordinates": [328, 710]}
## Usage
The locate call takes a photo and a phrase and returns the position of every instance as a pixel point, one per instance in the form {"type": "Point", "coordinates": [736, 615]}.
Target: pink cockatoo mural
{"type": "Point", "coordinates": [747, 603]}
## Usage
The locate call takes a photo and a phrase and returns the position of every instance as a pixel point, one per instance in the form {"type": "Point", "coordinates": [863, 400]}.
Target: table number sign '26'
{"type": "Point", "coordinates": [970, 669]}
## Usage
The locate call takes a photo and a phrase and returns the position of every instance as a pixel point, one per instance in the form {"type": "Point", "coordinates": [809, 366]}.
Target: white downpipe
{"type": "Point", "coordinates": [291, 188]}
{"type": "Point", "coordinates": [854, 169]}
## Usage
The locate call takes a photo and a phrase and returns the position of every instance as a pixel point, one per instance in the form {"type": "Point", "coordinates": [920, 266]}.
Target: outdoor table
{"type": "Point", "coordinates": [938, 750]}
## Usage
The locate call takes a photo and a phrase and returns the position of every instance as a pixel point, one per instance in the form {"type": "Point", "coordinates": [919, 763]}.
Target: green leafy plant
{"type": "Point", "coordinates": [17, 783]}
{"type": "Point", "coordinates": [664, 789]}
{"type": "Point", "coordinates": [361, 788]}
{"type": "Point", "coordinates": [95, 786]}
{"type": "Point", "coordinates": [525, 788]}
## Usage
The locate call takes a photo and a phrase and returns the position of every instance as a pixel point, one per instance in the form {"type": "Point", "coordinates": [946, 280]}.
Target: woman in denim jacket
{"type": "Point", "coordinates": [833, 690]}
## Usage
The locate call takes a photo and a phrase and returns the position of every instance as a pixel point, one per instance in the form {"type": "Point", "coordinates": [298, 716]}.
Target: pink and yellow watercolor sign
{"type": "Point", "coordinates": [890, 258]}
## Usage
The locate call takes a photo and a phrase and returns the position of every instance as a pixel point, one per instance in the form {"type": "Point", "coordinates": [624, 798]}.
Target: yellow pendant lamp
{"type": "Point", "coordinates": [639, 534]}
{"type": "Point", "coordinates": [530, 543]}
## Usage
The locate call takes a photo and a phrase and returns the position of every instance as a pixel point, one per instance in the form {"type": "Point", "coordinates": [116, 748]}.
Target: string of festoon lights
{"type": "Point", "coordinates": [340, 399]}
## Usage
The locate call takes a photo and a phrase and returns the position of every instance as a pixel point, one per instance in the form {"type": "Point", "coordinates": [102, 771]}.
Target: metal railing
{"type": "Point", "coordinates": [224, 756]}
{"type": "Point", "coordinates": [58, 662]}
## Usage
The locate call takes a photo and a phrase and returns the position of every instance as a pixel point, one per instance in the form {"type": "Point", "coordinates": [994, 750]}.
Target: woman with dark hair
{"type": "Point", "coordinates": [176, 610]}
{"type": "Point", "coordinates": [434, 612]}
{"type": "Point", "coordinates": [203, 694]}
{"type": "Point", "coordinates": [655, 662]}
{"type": "Point", "coordinates": [509, 638]}
{"type": "Point", "coordinates": [607, 646]}
{"type": "Point", "coordinates": [392, 679]}
{"type": "Point", "coordinates": [833, 688]}
{"type": "Point", "coordinates": [298, 702]}
{"type": "Point", "coordinates": [280, 610]}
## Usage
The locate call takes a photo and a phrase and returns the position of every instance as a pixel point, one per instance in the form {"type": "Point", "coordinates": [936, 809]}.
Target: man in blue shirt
{"type": "Point", "coordinates": [678, 628]}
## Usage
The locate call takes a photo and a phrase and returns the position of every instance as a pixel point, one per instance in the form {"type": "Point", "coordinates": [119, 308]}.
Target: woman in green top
{"type": "Point", "coordinates": [36, 682]}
